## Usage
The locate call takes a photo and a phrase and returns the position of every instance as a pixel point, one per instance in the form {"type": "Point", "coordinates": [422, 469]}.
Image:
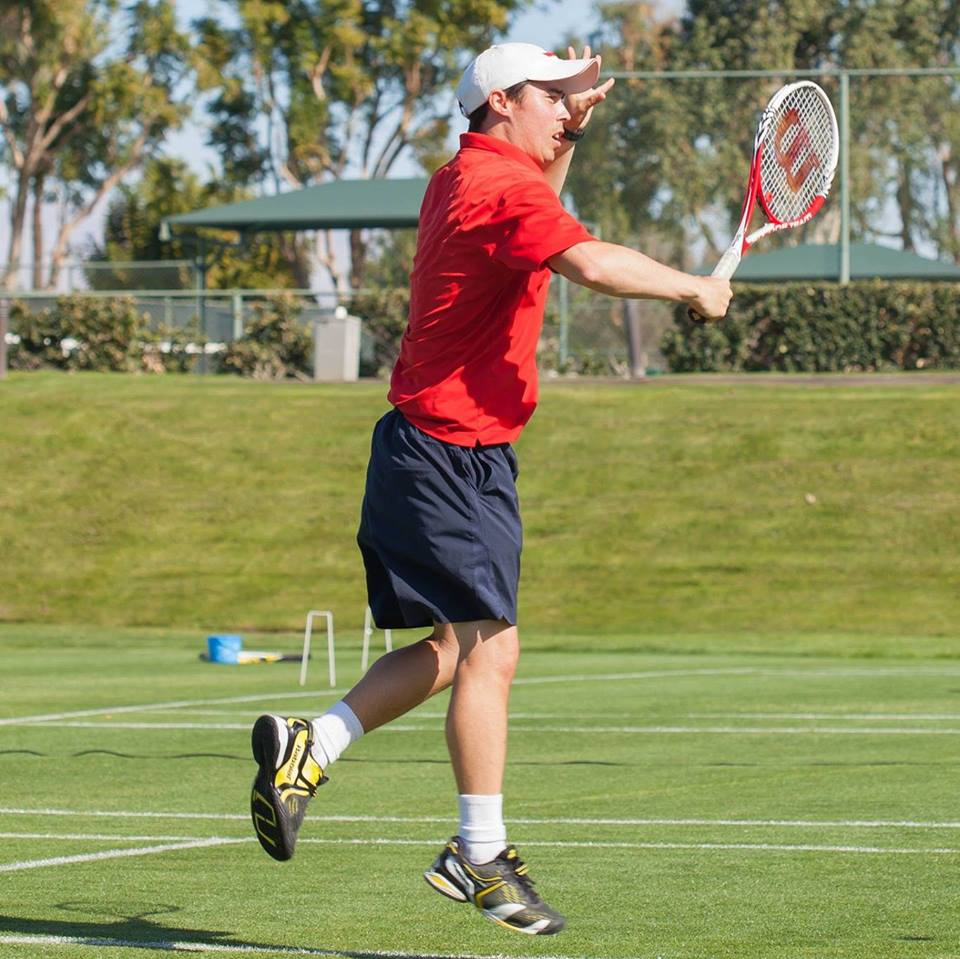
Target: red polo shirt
{"type": "Point", "coordinates": [489, 223]}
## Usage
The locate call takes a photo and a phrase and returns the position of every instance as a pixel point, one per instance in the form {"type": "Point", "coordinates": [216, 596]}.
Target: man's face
{"type": "Point", "coordinates": [536, 121]}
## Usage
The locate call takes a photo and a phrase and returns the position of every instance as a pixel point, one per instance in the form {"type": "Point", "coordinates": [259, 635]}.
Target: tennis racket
{"type": "Point", "coordinates": [794, 158]}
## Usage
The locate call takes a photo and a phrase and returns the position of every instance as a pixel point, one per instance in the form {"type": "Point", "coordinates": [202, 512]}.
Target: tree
{"type": "Point", "coordinates": [166, 188]}
{"type": "Point", "coordinates": [343, 87]}
{"type": "Point", "coordinates": [78, 112]}
{"type": "Point", "coordinates": [665, 160]}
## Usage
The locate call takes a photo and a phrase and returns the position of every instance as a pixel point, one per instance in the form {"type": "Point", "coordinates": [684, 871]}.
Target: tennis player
{"type": "Point", "coordinates": [440, 526]}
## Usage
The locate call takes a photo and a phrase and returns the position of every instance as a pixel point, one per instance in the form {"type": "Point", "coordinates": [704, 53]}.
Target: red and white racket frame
{"type": "Point", "coordinates": [742, 241]}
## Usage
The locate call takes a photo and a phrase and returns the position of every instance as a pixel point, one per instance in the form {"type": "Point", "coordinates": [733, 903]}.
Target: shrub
{"type": "Point", "coordinates": [274, 345]}
{"type": "Point", "coordinates": [873, 325]}
{"type": "Point", "coordinates": [79, 333]}
{"type": "Point", "coordinates": [383, 313]}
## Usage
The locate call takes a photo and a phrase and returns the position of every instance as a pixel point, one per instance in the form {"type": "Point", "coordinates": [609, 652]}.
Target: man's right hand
{"type": "Point", "coordinates": [712, 298]}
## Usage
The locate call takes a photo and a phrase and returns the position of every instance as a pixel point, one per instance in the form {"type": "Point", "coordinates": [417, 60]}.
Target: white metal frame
{"type": "Point", "coordinates": [367, 633]}
{"type": "Point", "coordinates": [307, 633]}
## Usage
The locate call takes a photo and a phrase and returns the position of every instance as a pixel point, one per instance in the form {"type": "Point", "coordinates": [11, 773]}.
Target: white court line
{"type": "Point", "coordinates": [549, 728]}
{"type": "Point", "coordinates": [188, 842]}
{"type": "Point", "coordinates": [839, 716]}
{"type": "Point", "coordinates": [545, 821]}
{"type": "Point", "coordinates": [175, 704]}
{"type": "Point", "coordinates": [415, 714]}
{"type": "Point", "coordinates": [194, 842]}
{"type": "Point", "coordinates": [774, 671]}
{"type": "Point", "coordinates": [113, 854]}
{"type": "Point", "coordinates": [101, 837]}
{"type": "Point", "coordinates": [169, 945]}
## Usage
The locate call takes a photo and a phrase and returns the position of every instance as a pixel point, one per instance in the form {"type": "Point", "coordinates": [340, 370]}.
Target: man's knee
{"type": "Point", "coordinates": [489, 645]}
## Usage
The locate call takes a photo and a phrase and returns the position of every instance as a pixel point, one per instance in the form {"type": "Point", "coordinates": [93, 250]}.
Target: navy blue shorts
{"type": "Point", "coordinates": [440, 529]}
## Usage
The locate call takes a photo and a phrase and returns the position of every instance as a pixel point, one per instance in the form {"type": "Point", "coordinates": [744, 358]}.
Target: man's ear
{"type": "Point", "coordinates": [499, 103]}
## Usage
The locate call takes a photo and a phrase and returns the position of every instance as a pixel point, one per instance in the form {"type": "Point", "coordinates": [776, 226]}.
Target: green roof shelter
{"type": "Point", "coordinates": [338, 205]}
{"type": "Point", "coordinates": [868, 261]}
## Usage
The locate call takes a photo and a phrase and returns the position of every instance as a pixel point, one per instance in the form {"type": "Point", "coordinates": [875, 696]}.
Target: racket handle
{"type": "Point", "coordinates": [724, 269]}
{"type": "Point", "coordinates": [728, 264]}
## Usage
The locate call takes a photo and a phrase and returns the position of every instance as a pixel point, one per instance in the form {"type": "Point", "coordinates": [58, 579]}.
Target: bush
{"type": "Point", "coordinates": [863, 326]}
{"type": "Point", "coordinates": [79, 333]}
{"type": "Point", "coordinates": [274, 345]}
{"type": "Point", "coordinates": [384, 316]}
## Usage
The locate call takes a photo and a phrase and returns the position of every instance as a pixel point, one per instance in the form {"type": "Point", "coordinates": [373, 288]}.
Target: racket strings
{"type": "Point", "coordinates": [796, 163]}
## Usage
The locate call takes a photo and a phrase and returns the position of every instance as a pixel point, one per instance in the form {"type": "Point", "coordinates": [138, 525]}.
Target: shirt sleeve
{"type": "Point", "coordinates": [534, 226]}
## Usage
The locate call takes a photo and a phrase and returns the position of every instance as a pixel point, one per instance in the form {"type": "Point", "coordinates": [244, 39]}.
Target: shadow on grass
{"type": "Point", "coordinates": [141, 931]}
{"type": "Point", "coordinates": [113, 752]}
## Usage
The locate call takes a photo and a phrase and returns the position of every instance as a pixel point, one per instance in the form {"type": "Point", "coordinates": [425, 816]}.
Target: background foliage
{"type": "Point", "coordinates": [274, 345]}
{"type": "Point", "coordinates": [830, 328]}
{"type": "Point", "coordinates": [80, 333]}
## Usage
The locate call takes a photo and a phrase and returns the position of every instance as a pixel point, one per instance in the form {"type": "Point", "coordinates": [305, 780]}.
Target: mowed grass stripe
{"type": "Point", "coordinates": [170, 945]}
{"type": "Point", "coordinates": [514, 820]}
{"type": "Point", "coordinates": [699, 485]}
{"type": "Point", "coordinates": [106, 724]}
{"type": "Point", "coordinates": [787, 672]}
{"type": "Point", "coordinates": [193, 842]}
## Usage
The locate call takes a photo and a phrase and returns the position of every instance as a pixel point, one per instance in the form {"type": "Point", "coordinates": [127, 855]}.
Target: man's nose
{"type": "Point", "coordinates": [564, 112]}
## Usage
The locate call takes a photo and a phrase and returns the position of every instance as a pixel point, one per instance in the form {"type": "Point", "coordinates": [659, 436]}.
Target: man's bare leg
{"type": "Point", "coordinates": [405, 678]}
{"type": "Point", "coordinates": [477, 716]}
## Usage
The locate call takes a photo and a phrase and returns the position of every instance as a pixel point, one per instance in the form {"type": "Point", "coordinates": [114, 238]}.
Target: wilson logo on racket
{"type": "Point", "coordinates": [798, 159]}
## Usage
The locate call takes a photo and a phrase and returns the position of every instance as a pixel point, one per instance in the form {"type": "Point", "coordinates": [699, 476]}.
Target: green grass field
{"type": "Point", "coordinates": [681, 806]}
{"type": "Point", "coordinates": [735, 733]}
{"type": "Point", "coordinates": [668, 509]}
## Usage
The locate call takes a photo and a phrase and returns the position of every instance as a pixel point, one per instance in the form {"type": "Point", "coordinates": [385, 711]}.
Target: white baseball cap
{"type": "Point", "coordinates": [505, 64]}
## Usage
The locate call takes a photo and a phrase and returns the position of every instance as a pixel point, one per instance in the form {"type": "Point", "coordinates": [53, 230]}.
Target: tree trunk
{"type": "Point", "coordinates": [953, 214]}
{"type": "Point", "coordinates": [18, 219]}
{"type": "Point", "coordinates": [4, 326]}
{"type": "Point", "coordinates": [327, 258]}
{"type": "Point", "coordinates": [38, 183]}
{"type": "Point", "coordinates": [905, 205]}
{"type": "Point", "coordinates": [358, 259]}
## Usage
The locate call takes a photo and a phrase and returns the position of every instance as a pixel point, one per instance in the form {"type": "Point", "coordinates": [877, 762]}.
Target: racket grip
{"type": "Point", "coordinates": [724, 269]}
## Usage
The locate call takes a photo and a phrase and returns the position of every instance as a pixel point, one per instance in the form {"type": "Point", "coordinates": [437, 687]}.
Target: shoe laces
{"type": "Point", "coordinates": [521, 871]}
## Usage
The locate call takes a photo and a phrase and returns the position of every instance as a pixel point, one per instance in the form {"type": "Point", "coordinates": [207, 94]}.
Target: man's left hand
{"type": "Point", "coordinates": [580, 105]}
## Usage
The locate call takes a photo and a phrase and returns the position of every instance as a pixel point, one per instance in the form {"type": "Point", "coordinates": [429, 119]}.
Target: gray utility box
{"type": "Point", "coordinates": [336, 347]}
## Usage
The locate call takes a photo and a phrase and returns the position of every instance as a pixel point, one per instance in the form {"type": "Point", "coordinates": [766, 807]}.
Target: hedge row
{"type": "Point", "coordinates": [800, 327]}
{"type": "Point", "coordinates": [86, 333]}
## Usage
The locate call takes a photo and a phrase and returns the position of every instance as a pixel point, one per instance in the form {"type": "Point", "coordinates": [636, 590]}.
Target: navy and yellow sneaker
{"type": "Point", "coordinates": [286, 781]}
{"type": "Point", "coordinates": [502, 890]}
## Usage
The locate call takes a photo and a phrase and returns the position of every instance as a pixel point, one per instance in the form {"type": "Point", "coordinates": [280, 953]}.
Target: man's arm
{"type": "Point", "coordinates": [556, 173]}
{"type": "Point", "coordinates": [620, 271]}
{"type": "Point", "coordinates": [580, 107]}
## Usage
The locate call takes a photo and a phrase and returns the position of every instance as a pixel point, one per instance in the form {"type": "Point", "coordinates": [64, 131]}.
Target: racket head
{"type": "Point", "coordinates": [797, 149]}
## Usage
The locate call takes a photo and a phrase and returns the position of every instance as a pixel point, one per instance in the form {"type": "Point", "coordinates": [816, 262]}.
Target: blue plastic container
{"type": "Point", "coordinates": [223, 648]}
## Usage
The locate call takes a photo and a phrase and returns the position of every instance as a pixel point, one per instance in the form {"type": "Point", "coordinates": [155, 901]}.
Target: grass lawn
{"type": "Point", "coordinates": [680, 805]}
{"type": "Point", "coordinates": [735, 732]}
{"type": "Point", "coordinates": [714, 508]}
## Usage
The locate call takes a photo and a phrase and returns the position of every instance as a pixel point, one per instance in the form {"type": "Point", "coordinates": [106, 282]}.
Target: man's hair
{"type": "Point", "coordinates": [479, 116]}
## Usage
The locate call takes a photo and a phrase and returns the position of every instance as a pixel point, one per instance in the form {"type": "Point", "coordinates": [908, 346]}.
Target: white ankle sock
{"type": "Point", "coordinates": [481, 827]}
{"type": "Point", "coordinates": [336, 729]}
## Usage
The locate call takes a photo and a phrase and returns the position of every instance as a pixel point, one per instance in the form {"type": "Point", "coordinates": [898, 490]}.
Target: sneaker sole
{"type": "Point", "coordinates": [526, 930]}
{"type": "Point", "coordinates": [264, 802]}
{"type": "Point", "coordinates": [443, 885]}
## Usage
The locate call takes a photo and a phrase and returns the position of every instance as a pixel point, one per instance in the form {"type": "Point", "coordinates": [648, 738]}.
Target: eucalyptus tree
{"type": "Point", "coordinates": [316, 90]}
{"type": "Point", "coordinates": [88, 91]}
